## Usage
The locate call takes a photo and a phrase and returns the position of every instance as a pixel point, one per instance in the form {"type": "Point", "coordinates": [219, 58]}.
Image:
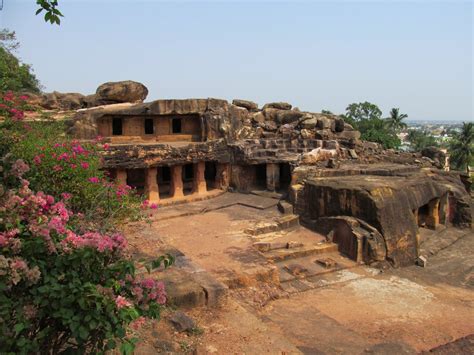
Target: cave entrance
{"type": "Point", "coordinates": [136, 178]}
{"type": "Point", "coordinates": [261, 176]}
{"type": "Point", "coordinates": [164, 181]}
{"type": "Point", "coordinates": [285, 176]}
{"type": "Point", "coordinates": [210, 174]}
{"type": "Point", "coordinates": [188, 178]}
{"type": "Point", "coordinates": [423, 213]}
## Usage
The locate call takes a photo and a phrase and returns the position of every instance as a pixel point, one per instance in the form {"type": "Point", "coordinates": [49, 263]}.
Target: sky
{"type": "Point", "coordinates": [316, 55]}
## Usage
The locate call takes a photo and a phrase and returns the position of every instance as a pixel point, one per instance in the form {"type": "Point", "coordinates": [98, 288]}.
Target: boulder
{"type": "Point", "coordinates": [437, 155]}
{"type": "Point", "coordinates": [339, 124]}
{"type": "Point", "coordinates": [270, 126]}
{"type": "Point", "coordinates": [258, 117]}
{"type": "Point", "coordinates": [122, 91]}
{"type": "Point", "coordinates": [249, 105]}
{"type": "Point", "coordinates": [317, 155]}
{"type": "Point", "coordinates": [278, 105]}
{"type": "Point", "coordinates": [306, 134]}
{"type": "Point", "coordinates": [270, 113]}
{"type": "Point", "coordinates": [62, 101]}
{"type": "Point", "coordinates": [182, 322]}
{"type": "Point", "coordinates": [309, 123]}
{"type": "Point", "coordinates": [288, 116]}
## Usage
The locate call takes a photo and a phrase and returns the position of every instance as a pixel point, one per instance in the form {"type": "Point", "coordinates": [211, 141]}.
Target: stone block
{"type": "Point", "coordinates": [285, 207]}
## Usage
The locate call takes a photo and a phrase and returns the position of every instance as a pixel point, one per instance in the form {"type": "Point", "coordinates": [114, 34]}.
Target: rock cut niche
{"type": "Point", "coordinates": [160, 128]}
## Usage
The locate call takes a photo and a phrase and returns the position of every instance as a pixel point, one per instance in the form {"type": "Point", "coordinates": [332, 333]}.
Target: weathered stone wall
{"type": "Point", "coordinates": [129, 156]}
{"type": "Point", "coordinates": [385, 203]}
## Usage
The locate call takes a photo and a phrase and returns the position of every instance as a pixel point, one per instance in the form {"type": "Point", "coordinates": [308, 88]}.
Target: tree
{"type": "Point", "coordinates": [14, 75]}
{"type": "Point", "coordinates": [395, 121]}
{"type": "Point", "coordinates": [421, 139]}
{"type": "Point", "coordinates": [462, 147]}
{"type": "Point", "coordinates": [327, 112]}
{"type": "Point", "coordinates": [367, 118]}
{"type": "Point", "coordinates": [51, 11]}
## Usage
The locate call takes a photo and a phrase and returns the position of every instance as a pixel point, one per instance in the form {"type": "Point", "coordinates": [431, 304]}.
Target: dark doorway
{"type": "Point", "coordinates": [188, 178]}
{"type": "Point", "coordinates": [164, 179]}
{"type": "Point", "coordinates": [117, 126]}
{"type": "Point", "coordinates": [285, 176]}
{"type": "Point", "coordinates": [149, 128]}
{"type": "Point", "coordinates": [210, 174]}
{"type": "Point", "coordinates": [176, 125]}
{"type": "Point", "coordinates": [136, 179]}
{"type": "Point", "coordinates": [423, 213]}
{"type": "Point", "coordinates": [261, 176]}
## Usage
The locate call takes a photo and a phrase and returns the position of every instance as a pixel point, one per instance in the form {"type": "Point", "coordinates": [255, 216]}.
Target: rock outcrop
{"type": "Point", "coordinates": [122, 91]}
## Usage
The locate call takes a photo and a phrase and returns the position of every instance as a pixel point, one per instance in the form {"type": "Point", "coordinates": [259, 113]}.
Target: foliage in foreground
{"type": "Point", "coordinates": [66, 168]}
{"type": "Point", "coordinates": [60, 289]}
{"type": "Point", "coordinates": [64, 285]}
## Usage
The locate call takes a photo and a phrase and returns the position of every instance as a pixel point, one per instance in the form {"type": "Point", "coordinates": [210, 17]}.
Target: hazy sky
{"type": "Point", "coordinates": [316, 55]}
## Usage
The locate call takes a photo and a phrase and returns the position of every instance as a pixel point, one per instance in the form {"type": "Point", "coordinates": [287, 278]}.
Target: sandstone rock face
{"type": "Point", "coordinates": [122, 91]}
{"type": "Point", "coordinates": [318, 154]}
{"type": "Point", "coordinates": [249, 105]}
{"type": "Point", "coordinates": [62, 101]}
{"type": "Point", "coordinates": [391, 204]}
{"type": "Point", "coordinates": [435, 154]}
{"type": "Point", "coordinates": [278, 105]}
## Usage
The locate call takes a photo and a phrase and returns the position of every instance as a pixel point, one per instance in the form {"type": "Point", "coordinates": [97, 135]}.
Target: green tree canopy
{"type": "Point", "coordinates": [395, 120]}
{"type": "Point", "coordinates": [462, 147]}
{"type": "Point", "coordinates": [367, 118]}
{"type": "Point", "coordinates": [14, 75]}
{"type": "Point", "coordinates": [421, 139]}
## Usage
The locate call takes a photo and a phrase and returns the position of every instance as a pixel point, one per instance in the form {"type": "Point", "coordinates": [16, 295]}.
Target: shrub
{"type": "Point", "coordinates": [61, 167]}
{"type": "Point", "coordinates": [61, 290]}
{"type": "Point", "coordinates": [73, 169]}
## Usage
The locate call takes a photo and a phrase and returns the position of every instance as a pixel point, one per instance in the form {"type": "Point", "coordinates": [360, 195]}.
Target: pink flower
{"type": "Point", "coordinates": [94, 179]}
{"type": "Point", "coordinates": [137, 323]}
{"type": "Point", "coordinates": [66, 196]}
{"type": "Point", "coordinates": [37, 160]}
{"type": "Point", "coordinates": [73, 166]}
{"type": "Point", "coordinates": [57, 168]}
{"type": "Point", "coordinates": [122, 302]}
{"type": "Point", "coordinates": [23, 97]}
{"type": "Point", "coordinates": [105, 146]}
{"type": "Point", "coordinates": [19, 168]}
{"type": "Point", "coordinates": [153, 206]}
{"type": "Point", "coordinates": [85, 165]}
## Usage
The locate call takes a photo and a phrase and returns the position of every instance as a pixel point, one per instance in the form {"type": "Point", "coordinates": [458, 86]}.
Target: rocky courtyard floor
{"type": "Point", "coordinates": [346, 309]}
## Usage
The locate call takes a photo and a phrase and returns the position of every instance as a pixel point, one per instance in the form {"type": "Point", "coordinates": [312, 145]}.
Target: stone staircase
{"type": "Point", "coordinates": [303, 258]}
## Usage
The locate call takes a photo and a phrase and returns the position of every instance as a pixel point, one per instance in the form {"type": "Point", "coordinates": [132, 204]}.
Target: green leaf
{"type": "Point", "coordinates": [18, 328]}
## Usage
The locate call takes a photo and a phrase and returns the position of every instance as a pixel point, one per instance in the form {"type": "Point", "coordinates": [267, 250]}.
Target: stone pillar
{"type": "Point", "coordinates": [152, 185]}
{"type": "Point", "coordinates": [432, 220]}
{"type": "Point", "coordinates": [360, 249]}
{"type": "Point", "coordinates": [122, 176]}
{"type": "Point", "coordinates": [199, 183]}
{"type": "Point", "coordinates": [273, 176]}
{"type": "Point", "coordinates": [443, 209]}
{"type": "Point", "coordinates": [176, 186]}
{"type": "Point", "coordinates": [223, 176]}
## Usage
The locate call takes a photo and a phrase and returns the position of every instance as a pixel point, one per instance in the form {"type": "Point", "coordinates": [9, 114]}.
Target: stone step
{"type": "Point", "coordinates": [298, 252]}
{"type": "Point", "coordinates": [278, 224]}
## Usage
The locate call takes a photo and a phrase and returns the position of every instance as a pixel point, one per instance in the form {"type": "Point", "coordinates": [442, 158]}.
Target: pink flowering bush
{"type": "Point", "coordinates": [58, 166]}
{"type": "Point", "coordinates": [12, 106]}
{"type": "Point", "coordinates": [61, 289]}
